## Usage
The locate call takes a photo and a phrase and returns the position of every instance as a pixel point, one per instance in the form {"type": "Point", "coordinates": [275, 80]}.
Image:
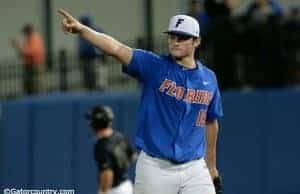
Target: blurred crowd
{"type": "Point", "coordinates": [31, 51]}
{"type": "Point", "coordinates": [258, 47]}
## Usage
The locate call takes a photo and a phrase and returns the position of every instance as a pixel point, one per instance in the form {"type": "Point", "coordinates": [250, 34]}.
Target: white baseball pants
{"type": "Point", "coordinates": [157, 176]}
{"type": "Point", "coordinates": [123, 188]}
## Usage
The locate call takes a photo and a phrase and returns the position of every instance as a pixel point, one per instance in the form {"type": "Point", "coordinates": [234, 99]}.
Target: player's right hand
{"type": "Point", "coordinates": [69, 23]}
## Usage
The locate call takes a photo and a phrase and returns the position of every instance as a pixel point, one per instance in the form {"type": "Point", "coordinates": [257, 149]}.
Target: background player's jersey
{"type": "Point", "coordinates": [175, 104]}
{"type": "Point", "coordinates": [114, 152]}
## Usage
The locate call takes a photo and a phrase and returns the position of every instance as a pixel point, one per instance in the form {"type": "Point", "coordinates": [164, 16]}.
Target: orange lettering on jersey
{"type": "Point", "coordinates": [198, 96]}
{"type": "Point", "coordinates": [172, 89]}
{"type": "Point", "coordinates": [180, 92]}
{"type": "Point", "coordinates": [204, 98]}
{"type": "Point", "coordinates": [165, 85]}
{"type": "Point", "coordinates": [190, 95]}
{"type": "Point", "coordinates": [209, 98]}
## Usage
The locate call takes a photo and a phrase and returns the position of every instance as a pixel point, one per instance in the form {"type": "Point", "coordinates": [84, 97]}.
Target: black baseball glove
{"type": "Point", "coordinates": [218, 185]}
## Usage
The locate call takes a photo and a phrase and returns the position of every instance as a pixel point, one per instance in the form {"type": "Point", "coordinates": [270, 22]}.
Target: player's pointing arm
{"type": "Point", "coordinates": [104, 42]}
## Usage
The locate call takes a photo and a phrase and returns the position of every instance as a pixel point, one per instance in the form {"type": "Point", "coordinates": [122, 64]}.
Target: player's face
{"type": "Point", "coordinates": [182, 46]}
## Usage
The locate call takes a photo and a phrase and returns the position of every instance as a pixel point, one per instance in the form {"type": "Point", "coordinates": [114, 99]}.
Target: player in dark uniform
{"type": "Point", "coordinates": [112, 153]}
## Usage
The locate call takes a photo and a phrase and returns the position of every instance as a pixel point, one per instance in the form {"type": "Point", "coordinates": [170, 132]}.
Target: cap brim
{"type": "Point", "coordinates": [179, 33]}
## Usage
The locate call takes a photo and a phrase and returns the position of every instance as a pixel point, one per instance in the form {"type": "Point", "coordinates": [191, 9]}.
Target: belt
{"type": "Point", "coordinates": [182, 162]}
{"type": "Point", "coordinates": [169, 160]}
{"type": "Point", "coordinates": [176, 162]}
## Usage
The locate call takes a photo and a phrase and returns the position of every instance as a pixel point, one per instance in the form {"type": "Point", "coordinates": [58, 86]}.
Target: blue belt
{"type": "Point", "coordinates": [170, 160]}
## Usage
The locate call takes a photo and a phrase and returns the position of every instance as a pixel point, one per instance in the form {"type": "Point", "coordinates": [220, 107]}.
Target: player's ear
{"type": "Point", "coordinates": [197, 42]}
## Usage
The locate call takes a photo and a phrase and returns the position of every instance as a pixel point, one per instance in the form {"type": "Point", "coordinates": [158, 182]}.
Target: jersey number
{"type": "Point", "coordinates": [201, 118]}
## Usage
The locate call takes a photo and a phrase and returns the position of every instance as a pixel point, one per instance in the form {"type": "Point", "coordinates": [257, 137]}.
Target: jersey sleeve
{"type": "Point", "coordinates": [128, 149]}
{"type": "Point", "coordinates": [143, 65]}
{"type": "Point", "coordinates": [104, 158]}
{"type": "Point", "coordinates": [215, 109]}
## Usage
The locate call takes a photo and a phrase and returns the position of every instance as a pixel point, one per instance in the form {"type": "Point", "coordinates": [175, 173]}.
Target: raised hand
{"type": "Point", "coordinates": [69, 23]}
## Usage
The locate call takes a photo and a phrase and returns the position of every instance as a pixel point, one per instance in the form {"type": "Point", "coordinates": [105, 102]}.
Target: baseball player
{"type": "Point", "coordinates": [178, 113]}
{"type": "Point", "coordinates": [112, 152]}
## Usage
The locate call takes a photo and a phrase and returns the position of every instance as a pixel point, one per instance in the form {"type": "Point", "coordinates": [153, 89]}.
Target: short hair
{"type": "Point", "coordinates": [27, 28]}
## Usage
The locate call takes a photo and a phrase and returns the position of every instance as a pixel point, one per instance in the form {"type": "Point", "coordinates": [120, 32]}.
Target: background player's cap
{"type": "Point", "coordinates": [184, 25]}
{"type": "Point", "coordinates": [100, 117]}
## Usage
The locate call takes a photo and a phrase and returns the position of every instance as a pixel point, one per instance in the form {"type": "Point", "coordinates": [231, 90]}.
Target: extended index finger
{"type": "Point", "coordinates": [65, 14]}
